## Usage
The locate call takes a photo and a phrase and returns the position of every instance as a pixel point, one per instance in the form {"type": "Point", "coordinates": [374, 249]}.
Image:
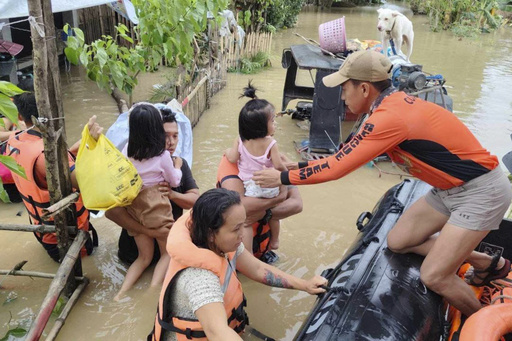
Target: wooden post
{"type": "Point", "coordinates": [100, 16]}
{"type": "Point", "coordinates": [32, 274]}
{"type": "Point", "coordinates": [56, 287]}
{"type": "Point", "coordinates": [32, 228]}
{"type": "Point", "coordinates": [59, 322]}
{"type": "Point", "coordinates": [49, 105]}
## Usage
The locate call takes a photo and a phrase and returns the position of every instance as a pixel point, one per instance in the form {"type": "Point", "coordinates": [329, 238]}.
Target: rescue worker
{"type": "Point", "coordinates": [28, 150]}
{"type": "Point", "coordinates": [470, 195]}
{"type": "Point", "coordinates": [202, 296]}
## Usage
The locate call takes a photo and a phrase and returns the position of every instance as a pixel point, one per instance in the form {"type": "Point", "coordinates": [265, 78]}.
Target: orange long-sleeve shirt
{"type": "Point", "coordinates": [424, 139]}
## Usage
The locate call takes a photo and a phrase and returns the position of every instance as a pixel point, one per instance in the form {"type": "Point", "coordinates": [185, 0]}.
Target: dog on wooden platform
{"type": "Point", "coordinates": [394, 25]}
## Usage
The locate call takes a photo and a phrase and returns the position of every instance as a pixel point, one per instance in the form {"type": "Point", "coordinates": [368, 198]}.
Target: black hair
{"type": "Point", "coordinates": [27, 107]}
{"type": "Point", "coordinates": [380, 86]}
{"type": "Point", "coordinates": [168, 116]}
{"type": "Point", "coordinates": [26, 84]}
{"type": "Point", "coordinates": [254, 116]}
{"type": "Point", "coordinates": [147, 134]}
{"type": "Point", "coordinates": [208, 215]}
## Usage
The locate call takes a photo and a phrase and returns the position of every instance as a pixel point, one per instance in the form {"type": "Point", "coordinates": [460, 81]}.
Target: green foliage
{"type": "Point", "coordinates": [13, 166]}
{"type": "Point", "coordinates": [463, 17]}
{"type": "Point", "coordinates": [166, 29]}
{"type": "Point", "coordinates": [167, 90]}
{"type": "Point", "coordinates": [59, 306]}
{"type": "Point", "coordinates": [106, 62]}
{"type": "Point", "coordinates": [254, 64]}
{"type": "Point", "coordinates": [284, 13]}
{"type": "Point", "coordinates": [8, 109]}
{"type": "Point", "coordinates": [16, 333]}
{"type": "Point", "coordinates": [267, 15]}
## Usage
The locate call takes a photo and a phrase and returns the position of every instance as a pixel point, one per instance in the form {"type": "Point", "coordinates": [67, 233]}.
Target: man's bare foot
{"type": "Point", "coordinates": [497, 269]}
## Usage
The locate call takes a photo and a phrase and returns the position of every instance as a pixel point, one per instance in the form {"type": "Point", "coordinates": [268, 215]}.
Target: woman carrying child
{"type": "Point", "coordinates": [254, 150]}
{"type": "Point", "coordinates": [146, 150]}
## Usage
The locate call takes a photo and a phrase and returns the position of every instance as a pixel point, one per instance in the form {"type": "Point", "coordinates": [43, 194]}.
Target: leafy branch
{"type": "Point", "coordinates": [166, 30]}
{"type": "Point", "coordinates": [9, 110]}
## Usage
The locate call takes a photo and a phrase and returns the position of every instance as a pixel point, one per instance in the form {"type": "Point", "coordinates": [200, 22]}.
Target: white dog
{"type": "Point", "coordinates": [394, 25]}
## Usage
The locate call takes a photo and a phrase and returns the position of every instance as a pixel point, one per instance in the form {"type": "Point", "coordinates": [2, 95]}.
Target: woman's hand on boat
{"type": "Point", "coordinates": [315, 285]}
{"type": "Point", "coordinates": [267, 178]}
{"type": "Point", "coordinates": [94, 128]}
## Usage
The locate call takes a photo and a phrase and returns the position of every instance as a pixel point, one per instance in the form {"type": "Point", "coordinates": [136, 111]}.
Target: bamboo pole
{"type": "Point", "coordinates": [33, 228]}
{"type": "Point", "coordinates": [37, 274]}
{"type": "Point", "coordinates": [60, 206]}
{"type": "Point", "coordinates": [59, 322]}
{"type": "Point", "coordinates": [270, 44]}
{"type": "Point", "coordinates": [56, 287]}
{"type": "Point", "coordinates": [194, 91]}
{"type": "Point", "coordinates": [100, 16]}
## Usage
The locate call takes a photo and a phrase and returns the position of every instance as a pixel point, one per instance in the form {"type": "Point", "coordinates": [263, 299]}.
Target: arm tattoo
{"type": "Point", "coordinates": [275, 281]}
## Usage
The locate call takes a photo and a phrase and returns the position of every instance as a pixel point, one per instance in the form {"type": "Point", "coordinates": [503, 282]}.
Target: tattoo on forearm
{"type": "Point", "coordinates": [275, 281]}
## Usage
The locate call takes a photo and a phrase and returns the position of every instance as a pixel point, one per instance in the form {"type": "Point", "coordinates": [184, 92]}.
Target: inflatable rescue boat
{"type": "Point", "coordinates": [375, 294]}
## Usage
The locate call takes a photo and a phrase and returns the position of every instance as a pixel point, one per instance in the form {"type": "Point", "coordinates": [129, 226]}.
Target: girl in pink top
{"type": "Point", "coordinates": [146, 150]}
{"type": "Point", "coordinates": [255, 150]}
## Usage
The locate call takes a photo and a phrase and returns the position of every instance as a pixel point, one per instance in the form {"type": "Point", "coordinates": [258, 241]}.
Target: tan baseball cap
{"type": "Point", "coordinates": [368, 66]}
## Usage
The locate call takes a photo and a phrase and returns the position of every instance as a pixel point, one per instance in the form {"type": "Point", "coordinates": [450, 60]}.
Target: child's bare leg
{"type": "Point", "coordinates": [274, 234]}
{"type": "Point", "coordinates": [247, 237]}
{"type": "Point", "coordinates": [145, 246]}
{"type": "Point", "coordinates": [162, 265]}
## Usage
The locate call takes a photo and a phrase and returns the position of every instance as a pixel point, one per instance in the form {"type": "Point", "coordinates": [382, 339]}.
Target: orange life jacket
{"type": "Point", "coordinates": [186, 254]}
{"type": "Point", "coordinates": [25, 148]}
{"type": "Point", "coordinates": [261, 229]}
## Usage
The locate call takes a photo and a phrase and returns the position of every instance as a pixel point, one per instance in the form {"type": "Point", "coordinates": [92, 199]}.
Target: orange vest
{"type": "Point", "coordinates": [186, 254]}
{"type": "Point", "coordinates": [25, 148]}
{"type": "Point", "coordinates": [261, 230]}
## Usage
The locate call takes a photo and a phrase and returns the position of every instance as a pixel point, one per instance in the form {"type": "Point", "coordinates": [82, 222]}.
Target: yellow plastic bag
{"type": "Point", "coordinates": [105, 176]}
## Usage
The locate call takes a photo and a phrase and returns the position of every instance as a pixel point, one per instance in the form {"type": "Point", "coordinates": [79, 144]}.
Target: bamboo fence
{"type": "Point", "coordinates": [224, 53]}
{"type": "Point", "coordinates": [253, 43]}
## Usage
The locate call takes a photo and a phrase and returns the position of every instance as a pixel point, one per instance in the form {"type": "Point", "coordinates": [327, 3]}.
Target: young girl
{"type": "Point", "coordinates": [146, 150]}
{"type": "Point", "coordinates": [255, 150]}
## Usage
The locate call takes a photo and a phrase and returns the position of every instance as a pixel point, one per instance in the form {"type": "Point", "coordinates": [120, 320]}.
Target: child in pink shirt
{"type": "Point", "coordinates": [146, 150]}
{"type": "Point", "coordinates": [255, 150]}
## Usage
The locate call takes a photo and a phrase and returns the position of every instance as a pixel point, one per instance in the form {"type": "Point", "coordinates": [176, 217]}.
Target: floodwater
{"type": "Point", "coordinates": [480, 72]}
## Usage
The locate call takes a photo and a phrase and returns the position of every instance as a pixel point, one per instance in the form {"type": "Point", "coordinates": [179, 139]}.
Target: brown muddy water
{"type": "Point", "coordinates": [480, 72]}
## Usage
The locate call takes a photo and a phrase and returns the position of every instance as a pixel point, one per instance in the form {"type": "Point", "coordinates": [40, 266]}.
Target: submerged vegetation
{"type": "Point", "coordinates": [254, 64]}
{"type": "Point", "coordinates": [463, 17]}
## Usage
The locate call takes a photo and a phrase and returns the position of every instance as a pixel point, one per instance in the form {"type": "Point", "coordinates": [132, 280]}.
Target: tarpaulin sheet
{"type": "Point", "coordinates": [19, 8]}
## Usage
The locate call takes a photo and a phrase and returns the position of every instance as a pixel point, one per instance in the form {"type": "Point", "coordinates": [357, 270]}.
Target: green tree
{"type": "Point", "coordinates": [166, 29]}
{"type": "Point", "coordinates": [461, 16]}
{"type": "Point", "coordinates": [255, 15]}
{"type": "Point", "coordinates": [8, 109]}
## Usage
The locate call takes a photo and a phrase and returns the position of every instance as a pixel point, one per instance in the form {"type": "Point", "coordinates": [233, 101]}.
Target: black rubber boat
{"type": "Point", "coordinates": [376, 294]}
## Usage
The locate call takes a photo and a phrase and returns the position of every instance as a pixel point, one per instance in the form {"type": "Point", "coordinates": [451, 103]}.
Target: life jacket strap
{"type": "Point", "coordinates": [189, 333]}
